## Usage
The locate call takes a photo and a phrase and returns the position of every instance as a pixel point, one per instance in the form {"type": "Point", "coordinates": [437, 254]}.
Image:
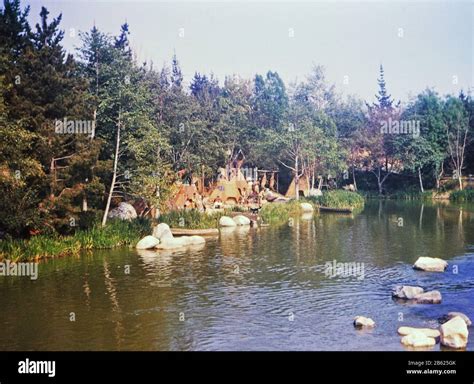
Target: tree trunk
{"type": "Point", "coordinates": [297, 180]}
{"type": "Point", "coordinates": [354, 178]}
{"type": "Point", "coordinates": [460, 180]}
{"type": "Point", "coordinates": [114, 174]}
{"type": "Point", "coordinates": [421, 180]}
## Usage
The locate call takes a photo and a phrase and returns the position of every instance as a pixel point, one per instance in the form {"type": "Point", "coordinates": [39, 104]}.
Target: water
{"type": "Point", "coordinates": [241, 291]}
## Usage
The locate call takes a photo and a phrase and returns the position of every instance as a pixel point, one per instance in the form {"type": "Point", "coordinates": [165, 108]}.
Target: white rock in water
{"type": "Point", "coordinates": [431, 297]}
{"type": "Point", "coordinates": [454, 333]}
{"type": "Point", "coordinates": [451, 315]}
{"type": "Point", "coordinates": [241, 220]}
{"type": "Point", "coordinates": [148, 242]}
{"type": "Point", "coordinates": [160, 229]}
{"type": "Point", "coordinates": [361, 321]}
{"type": "Point", "coordinates": [173, 243]}
{"type": "Point", "coordinates": [417, 340]}
{"type": "Point", "coordinates": [197, 240]}
{"type": "Point", "coordinates": [406, 292]}
{"type": "Point", "coordinates": [306, 207]}
{"type": "Point", "coordinates": [226, 221]}
{"type": "Point", "coordinates": [124, 211]}
{"type": "Point", "coordinates": [192, 240]}
{"type": "Point", "coordinates": [430, 264]}
{"type": "Point", "coordinates": [166, 234]}
{"type": "Point", "coordinates": [429, 332]}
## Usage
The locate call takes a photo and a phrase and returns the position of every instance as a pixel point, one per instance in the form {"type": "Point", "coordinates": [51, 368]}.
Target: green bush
{"type": "Point", "coordinates": [464, 196]}
{"type": "Point", "coordinates": [339, 199]}
{"type": "Point", "coordinates": [192, 219]}
{"type": "Point", "coordinates": [278, 213]}
{"type": "Point", "coordinates": [116, 233]}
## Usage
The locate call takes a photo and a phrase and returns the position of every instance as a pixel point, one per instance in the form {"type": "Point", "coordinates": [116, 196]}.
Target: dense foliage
{"type": "Point", "coordinates": [144, 125]}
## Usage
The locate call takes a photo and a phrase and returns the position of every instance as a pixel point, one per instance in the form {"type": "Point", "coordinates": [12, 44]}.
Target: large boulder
{"type": "Point", "coordinates": [241, 220]}
{"type": "Point", "coordinates": [430, 264]}
{"type": "Point", "coordinates": [148, 242]}
{"type": "Point", "coordinates": [173, 243]}
{"type": "Point", "coordinates": [418, 340]}
{"type": "Point", "coordinates": [363, 322]}
{"type": "Point", "coordinates": [124, 211]}
{"type": "Point", "coordinates": [451, 315]}
{"type": "Point", "coordinates": [406, 292]}
{"type": "Point", "coordinates": [306, 207]}
{"type": "Point", "coordinates": [404, 331]}
{"type": "Point", "coordinates": [431, 297]}
{"type": "Point", "coordinates": [192, 240]}
{"type": "Point", "coordinates": [226, 221]}
{"type": "Point", "coordinates": [454, 333]}
{"type": "Point", "coordinates": [159, 229]}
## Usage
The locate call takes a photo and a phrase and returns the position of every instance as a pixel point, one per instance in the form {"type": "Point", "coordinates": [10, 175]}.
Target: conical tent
{"type": "Point", "coordinates": [303, 187]}
{"type": "Point", "coordinates": [226, 191]}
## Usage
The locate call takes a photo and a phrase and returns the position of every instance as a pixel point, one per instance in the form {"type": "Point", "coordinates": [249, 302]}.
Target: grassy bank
{"type": "Point", "coordinates": [465, 196]}
{"type": "Point", "coordinates": [192, 219]}
{"type": "Point", "coordinates": [339, 199]}
{"type": "Point", "coordinates": [116, 234]}
{"type": "Point", "coordinates": [278, 213]}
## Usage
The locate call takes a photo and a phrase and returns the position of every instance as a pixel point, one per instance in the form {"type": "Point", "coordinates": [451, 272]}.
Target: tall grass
{"type": "Point", "coordinates": [339, 199]}
{"type": "Point", "coordinates": [116, 234]}
{"type": "Point", "coordinates": [464, 196]}
{"type": "Point", "coordinates": [192, 219]}
{"type": "Point", "coordinates": [279, 213]}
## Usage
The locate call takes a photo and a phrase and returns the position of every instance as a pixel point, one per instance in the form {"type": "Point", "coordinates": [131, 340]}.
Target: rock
{"type": "Point", "coordinates": [197, 240]}
{"type": "Point", "coordinates": [173, 243]}
{"type": "Point", "coordinates": [148, 242]}
{"type": "Point", "coordinates": [417, 340]}
{"type": "Point", "coordinates": [306, 207]}
{"type": "Point", "coordinates": [431, 297]}
{"type": "Point", "coordinates": [160, 229]}
{"type": "Point", "coordinates": [241, 220]}
{"type": "Point", "coordinates": [193, 240]}
{"type": "Point", "coordinates": [429, 332]}
{"type": "Point", "coordinates": [451, 315]}
{"type": "Point", "coordinates": [430, 264]}
{"type": "Point", "coordinates": [365, 322]}
{"type": "Point", "coordinates": [454, 333]}
{"type": "Point", "coordinates": [166, 234]}
{"type": "Point", "coordinates": [124, 211]}
{"type": "Point", "coordinates": [315, 192]}
{"type": "Point", "coordinates": [226, 221]}
{"type": "Point", "coordinates": [406, 292]}
{"type": "Point", "coordinates": [306, 216]}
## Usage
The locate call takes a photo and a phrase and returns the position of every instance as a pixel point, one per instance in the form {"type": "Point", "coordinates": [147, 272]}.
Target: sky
{"type": "Point", "coordinates": [420, 44]}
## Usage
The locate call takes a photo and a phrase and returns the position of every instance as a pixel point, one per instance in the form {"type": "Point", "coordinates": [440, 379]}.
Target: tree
{"type": "Point", "coordinates": [457, 122]}
{"type": "Point", "coordinates": [381, 159]}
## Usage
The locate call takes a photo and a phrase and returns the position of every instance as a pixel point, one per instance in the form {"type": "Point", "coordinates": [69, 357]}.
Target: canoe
{"type": "Point", "coordinates": [339, 210]}
{"type": "Point", "coordinates": [194, 232]}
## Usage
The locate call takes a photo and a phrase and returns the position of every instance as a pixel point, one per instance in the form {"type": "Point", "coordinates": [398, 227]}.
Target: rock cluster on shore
{"type": "Point", "coordinates": [226, 221]}
{"type": "Point", "coordinates": [162, 238]}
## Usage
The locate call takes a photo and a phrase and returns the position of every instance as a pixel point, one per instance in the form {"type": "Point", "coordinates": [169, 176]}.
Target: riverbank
{"type": "Point", "coordinates": [127, 233]}
{"type": "Point", "coordinates": [464, 196]}
{"type": "Point", "coordinates": [116, 234]}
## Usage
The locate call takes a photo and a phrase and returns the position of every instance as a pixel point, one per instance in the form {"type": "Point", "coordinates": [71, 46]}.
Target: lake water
{"type": "Point", "coordinates": [251, 289]}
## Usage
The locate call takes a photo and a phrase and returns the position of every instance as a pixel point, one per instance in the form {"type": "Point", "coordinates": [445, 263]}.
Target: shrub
{"type": "Point", "coordinates": [466, 195]}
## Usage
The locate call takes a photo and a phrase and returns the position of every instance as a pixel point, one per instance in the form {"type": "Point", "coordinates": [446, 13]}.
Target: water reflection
{"type": "Point", "coordinates": [239, 290]}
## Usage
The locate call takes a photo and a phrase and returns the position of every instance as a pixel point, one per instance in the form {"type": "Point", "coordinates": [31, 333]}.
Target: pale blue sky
{"type": "Point", "coordinates": [348, 38]}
